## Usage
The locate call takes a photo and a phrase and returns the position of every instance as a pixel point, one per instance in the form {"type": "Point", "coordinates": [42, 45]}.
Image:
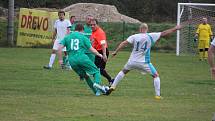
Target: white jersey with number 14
{"type": "Point", "coordinates": [142, 44]}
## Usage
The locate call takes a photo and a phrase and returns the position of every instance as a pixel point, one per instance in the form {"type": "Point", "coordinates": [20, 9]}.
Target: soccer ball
{"type": "Point", "coordinates": [106, 88]}
{"type": "Point", "coordinates": [103, 88]}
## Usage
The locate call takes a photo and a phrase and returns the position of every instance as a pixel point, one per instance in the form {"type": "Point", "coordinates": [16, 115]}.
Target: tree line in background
{"type": "Point", "coordinates": [143, 10]}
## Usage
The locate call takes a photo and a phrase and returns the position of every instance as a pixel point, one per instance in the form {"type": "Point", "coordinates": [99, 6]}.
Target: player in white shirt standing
{"type": "Point", "coordinates": [140, 56]}
{"type": "Point", "coordinates": [62, 27]}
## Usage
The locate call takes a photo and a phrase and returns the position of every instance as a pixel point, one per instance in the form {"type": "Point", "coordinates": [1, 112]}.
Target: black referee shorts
{"type": "Point", "coordinates": [99, 62]}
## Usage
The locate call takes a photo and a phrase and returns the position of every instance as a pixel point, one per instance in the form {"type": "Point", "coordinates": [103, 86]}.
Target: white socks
{"type": "Point", "coordinates": [117, 79]}
{"type": "Point", "coordinates": [51, 60]}
{"type": "Point", "coordinates": [157, 86]}
{"type": "Point", "coordinates": [120, 76]}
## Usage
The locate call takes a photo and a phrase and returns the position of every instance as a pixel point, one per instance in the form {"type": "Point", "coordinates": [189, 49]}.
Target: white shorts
{"type": "Point", "coordinates": [56, 45]}
{"type": "Point", "coordinates": [142, 67]}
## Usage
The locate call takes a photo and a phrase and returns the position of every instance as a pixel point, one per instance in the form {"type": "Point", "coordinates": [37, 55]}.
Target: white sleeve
{"type": "Point", "coordinates": [155, 36]}
{"type": "Point", "coordinates": [213, 42]}
{"type": "Point", "coordinates": [131, 39]}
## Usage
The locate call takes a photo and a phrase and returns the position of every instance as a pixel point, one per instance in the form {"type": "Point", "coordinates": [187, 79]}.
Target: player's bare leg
{"type": "Point", "coordinates": [213, 73]}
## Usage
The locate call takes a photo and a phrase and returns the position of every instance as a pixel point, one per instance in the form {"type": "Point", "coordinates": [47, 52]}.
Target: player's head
{"type": "Point", "coordinates": [61, 15]}
{"type": "Point", "coordinates": [88, 19]}
{"type": "Point", "coordinates": [94, 24]}
{"type": "Point", "coordinates": [79, 27]}
{"type": "Point", "coordinates": [204, 20]}
{"type": "Point", "coordinates": [72, 19]}
{"type": "Point", "coordinates": [143, 28]}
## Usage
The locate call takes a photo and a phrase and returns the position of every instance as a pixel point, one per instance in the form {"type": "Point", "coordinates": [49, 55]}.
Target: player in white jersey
{"type": "Point", "coordinates": [140, 56]}
{"type": "Point", "coordinates": [211, 53]}
{"type": "Point", "coordinates": [61, 27]}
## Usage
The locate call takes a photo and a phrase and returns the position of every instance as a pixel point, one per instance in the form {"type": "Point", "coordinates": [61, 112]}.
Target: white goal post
{"type": "Point", "coordinates": [189, 15]}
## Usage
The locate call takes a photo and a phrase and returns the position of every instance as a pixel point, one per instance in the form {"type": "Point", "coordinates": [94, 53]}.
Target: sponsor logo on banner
{"type": "Point", "coordinates": [36, 27]}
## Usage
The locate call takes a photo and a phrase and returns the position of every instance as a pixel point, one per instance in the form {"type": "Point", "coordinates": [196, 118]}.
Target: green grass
{"type": "Point", "coordinates": [29, 93]}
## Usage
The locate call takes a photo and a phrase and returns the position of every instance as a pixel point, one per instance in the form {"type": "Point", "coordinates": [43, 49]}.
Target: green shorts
{"type": "Point", "coordinates": [82, 65]}
{"type": "Point", "coordinates": [91, 56]}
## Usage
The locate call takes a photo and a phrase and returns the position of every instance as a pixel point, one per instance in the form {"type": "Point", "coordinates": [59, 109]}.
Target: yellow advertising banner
{"type": "Point", "coordinates": [36, 27]}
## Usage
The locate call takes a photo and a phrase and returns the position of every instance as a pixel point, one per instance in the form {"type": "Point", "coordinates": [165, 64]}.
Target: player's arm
{"type": "Point", "coordinates": [121, 45]}
{"type": "Point", "coordinates": [54, 35]}
{"type": "Point", "coordinates": [94, 51]}
{"type": "Point", "coordinates": [54, 32]}
{"type": "Point", "coordinates": [103, 42]}
{"type": "Point", "coordinates": [90, 48]}
{"type": "Point", "coordinates": [169, 31]}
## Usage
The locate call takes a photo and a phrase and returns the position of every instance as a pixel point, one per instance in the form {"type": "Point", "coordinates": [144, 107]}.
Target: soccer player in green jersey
{"type": "Point", "coordinates": [72, 29]}
{"type": "Point", "coordinates": [73, 23]}
{"type": "Point", "coordinates": [77, 44]}
{"type": "Point", "coordinates": [88, 33]}
{"type": "Point", "coordinates": [87, 26]}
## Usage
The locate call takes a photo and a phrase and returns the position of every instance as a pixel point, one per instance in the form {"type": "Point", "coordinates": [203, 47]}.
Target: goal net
{"type": "Point", "coordinates": [190, 16]}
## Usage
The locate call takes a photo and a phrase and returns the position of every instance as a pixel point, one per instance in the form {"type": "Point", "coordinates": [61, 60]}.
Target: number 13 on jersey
{"type": "Point", "coordinates": [74, 44]}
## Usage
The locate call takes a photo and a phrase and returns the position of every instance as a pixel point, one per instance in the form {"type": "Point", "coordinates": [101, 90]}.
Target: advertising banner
{"type": "Point", "coordinates": [36, 27]}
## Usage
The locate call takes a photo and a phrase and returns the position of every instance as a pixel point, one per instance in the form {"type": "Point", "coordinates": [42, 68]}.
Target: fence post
{"type": "Point", "coordinates": [10, 27]}
{"type": "Point", "coordinates": [123, 30]}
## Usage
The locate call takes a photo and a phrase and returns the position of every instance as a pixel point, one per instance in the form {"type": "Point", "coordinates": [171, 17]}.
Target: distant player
{"type": "Point", "coordinates": [140, 56]}
{"type": "Point", "coordinates": [61, 27]}
{"type": "Point", "coordinates": [77, 44]}
{"type": "Point", "coordinates": [204, 35]}
{"type": "Point", "coordinates": [87, 26]}
{"type": "Point", "coordinates": [73, 23]}
{"type": "Point", "coordinates": [88, 32]}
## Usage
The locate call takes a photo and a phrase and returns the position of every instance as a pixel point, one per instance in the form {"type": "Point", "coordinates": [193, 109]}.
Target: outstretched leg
{"type": "Point", "coordinates": [117, 79]}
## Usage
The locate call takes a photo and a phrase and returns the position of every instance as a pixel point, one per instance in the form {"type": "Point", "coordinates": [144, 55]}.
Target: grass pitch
{"type": "Point", "coordinates": [30, 93]}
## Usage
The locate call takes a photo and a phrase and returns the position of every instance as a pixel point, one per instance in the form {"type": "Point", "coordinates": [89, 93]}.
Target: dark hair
{"type": "Point", "coordinates": [95, 20]}
{"type": "Point", "coordinates": [71, 17]}
{"type": "Point", "coordinates": [61, 12]}
{"type": "Point", "coordinates": [79, 27]}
